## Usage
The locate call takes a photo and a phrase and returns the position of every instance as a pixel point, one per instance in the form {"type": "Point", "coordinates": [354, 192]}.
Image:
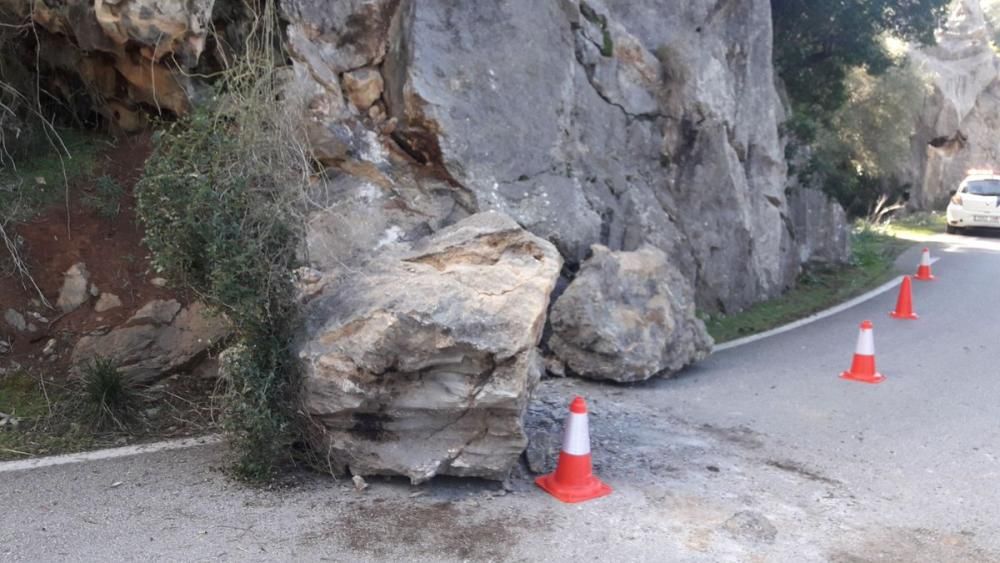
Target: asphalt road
{"type": "Point", "coordinates": [760, 453]}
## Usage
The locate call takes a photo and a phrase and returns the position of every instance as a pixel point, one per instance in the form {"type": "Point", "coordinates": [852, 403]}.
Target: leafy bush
{"type": "Point", "coordinates": [110, 399]}
{"type": "Point", "coordinates": [219, 199]}
{"type": "Point", "coordinates": [106, 198]}
{"type": "Point", "coordinates": [222, 224]}
{"type": "Point", "coordinates": [862, 154]}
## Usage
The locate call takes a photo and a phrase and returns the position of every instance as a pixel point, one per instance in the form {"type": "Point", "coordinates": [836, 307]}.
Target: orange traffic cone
{"type": "Point", "coordinates": [904, 304]}
{"type": "Point", "coordinates": [863, 366]}
{"type": "Point", "coordinates": [924, 270]}
{"type": "Point", "coordinates": [573, 480]}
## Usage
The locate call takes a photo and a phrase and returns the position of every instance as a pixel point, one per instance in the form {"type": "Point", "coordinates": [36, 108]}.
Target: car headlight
{"type": "Point", "coordinates": [957, 199]}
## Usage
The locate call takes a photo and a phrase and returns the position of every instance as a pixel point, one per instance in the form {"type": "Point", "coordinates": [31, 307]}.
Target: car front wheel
{"type": "Point", "coordinates": [953, 230]}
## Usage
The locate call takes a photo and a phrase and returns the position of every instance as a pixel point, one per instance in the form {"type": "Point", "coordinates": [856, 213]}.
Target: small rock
{"type": "Point", "coordinates": [359, 483]}
{"type": "Point", "coordinates": [38, 317]}
{"type": "Point", "coordinates": [15, 320]}
{"type": "Point", "coordinates": [107, 302]}
{"type": "Point", "coordinates": [4, 349]}
{"type": "Point", "coordinates": [554, 367]}
{"type": "Point", "coordinates": [376, 113]}
{"type": "Point", "coordinates": [32, 327]}
{"type": "Point", "coordinates": [74, 289]}
{"type": "Point", "coordinates": [159, 282]}
{"type": "Point", "coordinates": [363, 87]}
{"type": "Point", "coordinates": [750, 525]}
{"type": "Point", "coordinates": [542, 451]}
{"type": "Point", "coordinates": [50, 347]}
{"type": "Point", "coordinates": [389, 126]}
{"type": "Point", "coordinates": [8, 420]}
{"type": "Point", "coordinates": [94, 291]}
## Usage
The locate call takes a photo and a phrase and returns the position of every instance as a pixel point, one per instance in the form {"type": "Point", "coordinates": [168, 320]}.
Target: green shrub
{"type": "Point", "coordinates": [110, 399]}
{"type": "Point", "coordinates": [106, 199]}
{"type": "Point", "coordinates": [220, 199]}
{"type": "Point", "coordinates": [222, 222]}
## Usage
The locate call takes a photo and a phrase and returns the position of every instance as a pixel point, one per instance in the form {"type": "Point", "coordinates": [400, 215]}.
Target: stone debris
{"type": "Point", "coordinates": [8, 421]}
{"type": "Point", "coordinates": [159, 339]}
{"type": "Point", "coordinates": [363, 87]}
{"type": "Point", "coordinates": [106, 302]}
{"type": "Point", "coordinates": [38, 317]}
{"type": "Point", "coordinates": [15, 320]}
{"type": "Point", "coordinates": [74, 290]}
{"type": "Point", "coordinates": [359, 483]}
{"type": "Point", "coordinates": [750, 525]}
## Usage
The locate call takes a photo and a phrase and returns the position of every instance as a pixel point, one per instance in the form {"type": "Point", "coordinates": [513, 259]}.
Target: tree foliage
{"type": "Point", "coordinates": [817, 43]}
{"type": "Point", "coordinates": [864, 151]}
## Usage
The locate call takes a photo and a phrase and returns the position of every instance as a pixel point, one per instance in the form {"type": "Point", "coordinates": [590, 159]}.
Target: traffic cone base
{"type": "Point", "coordinates": [863, 378]}
{"type": "Point", "coordinates": [590, 488]}
{"type": "Point", "coordinates": [904, 305]}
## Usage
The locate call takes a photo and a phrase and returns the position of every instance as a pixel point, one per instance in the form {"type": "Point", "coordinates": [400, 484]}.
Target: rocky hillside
{"type": "Point", "coordinates": [956, 129]}
{"type": "Point", "coordinates": [580, 176]}
{"type": "Point", "coordinates": [617, 123]}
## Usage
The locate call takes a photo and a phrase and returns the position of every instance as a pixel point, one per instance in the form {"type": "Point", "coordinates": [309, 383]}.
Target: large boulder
{"type": "Point", "coordinates": [627, 316]}
{"type": "Point", "coordinates": [159, 339]}
{"type": "Point", "coordinates": [423, 365]}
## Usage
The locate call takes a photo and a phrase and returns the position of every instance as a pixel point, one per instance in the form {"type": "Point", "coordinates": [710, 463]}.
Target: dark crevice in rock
{"type": "Point", "coordinates": [588, 68]}
{"type": "Point", "coordinates": [949, 145]}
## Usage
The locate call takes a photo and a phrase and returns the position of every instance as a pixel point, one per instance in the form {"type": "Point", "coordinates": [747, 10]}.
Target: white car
{"type": "Point", "coordinates": [974, 203]}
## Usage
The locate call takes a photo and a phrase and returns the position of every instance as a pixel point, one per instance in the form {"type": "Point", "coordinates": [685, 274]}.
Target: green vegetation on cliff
{"type": "Point", "coordinates": [872, 256]}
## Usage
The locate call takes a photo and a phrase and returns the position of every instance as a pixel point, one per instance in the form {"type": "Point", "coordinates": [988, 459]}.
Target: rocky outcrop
{"type": "Point", "coordinates": [424, 364]}
{"type": "Point", "coordinates": [627, 316]}
{"type": "Point", "coordinates": [818, 225]}
{"type": "Point", "coordinates": [615, 123]}
{"type": "Point", "coordinates": [159, 339]}
{"type": "Point", "coordinates": [125, 56]}
{"type": "Point", "coordinates": [477, 152]}
{"type": "Point", "coordinates": [957, 126]}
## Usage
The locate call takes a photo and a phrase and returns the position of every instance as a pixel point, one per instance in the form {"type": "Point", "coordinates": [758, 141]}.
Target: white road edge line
{"type": "Point", "coordinates": [814, 317]}
{"type": "Point", "coordinates": [110, 453]}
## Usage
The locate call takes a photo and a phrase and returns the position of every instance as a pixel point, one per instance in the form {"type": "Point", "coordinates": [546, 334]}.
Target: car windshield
{"type": "Point", "coordinates": [983, 187]}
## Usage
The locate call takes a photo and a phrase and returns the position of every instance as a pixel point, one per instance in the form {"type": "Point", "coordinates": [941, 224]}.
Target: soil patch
{"type": "Point", "coordinates": [111, 247]}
